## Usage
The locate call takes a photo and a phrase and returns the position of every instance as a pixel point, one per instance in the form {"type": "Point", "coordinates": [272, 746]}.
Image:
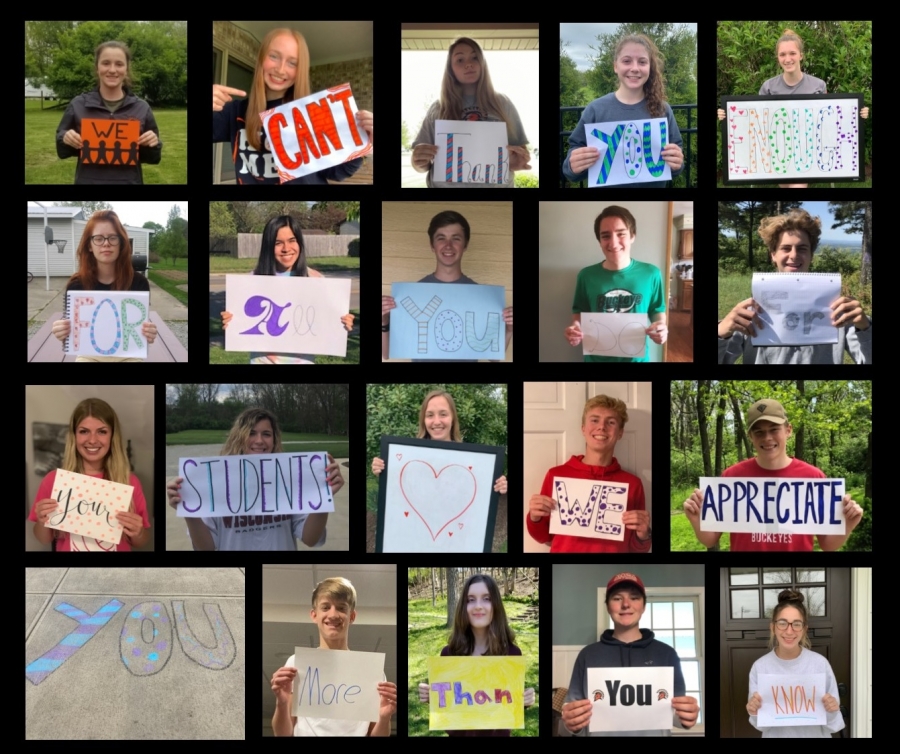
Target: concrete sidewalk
{"type": "Point", "coordinates": [134, 653]}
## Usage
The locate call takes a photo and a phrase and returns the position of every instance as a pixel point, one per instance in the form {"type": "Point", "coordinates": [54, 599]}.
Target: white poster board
{"type": "Point", "coordinates": [87, 508]}
{"type": "Point", "coordinates": [772, 506]}
{"type": "Point", "coordinates": [294, 315]}
{"type": "Point", "coordinates": [438, 497]}
{"type": "Point", "coordinates": [315, 132]}
{"type": "Point", "coordinates": [440, 321]}
{"type": "Point", "coordinates": [254, 485]}
{"type": "Point", "coordinates": [471, 152]}
{"type": "Point", "coordinates": [631, 698]}
{"type": "Point", "coordinates": [630, 152]}
{"type": "Point", "coordinates": [616, 334]}
{"type": "Point", "coordinates": [792, 138]}
{"type": "Point", "coordinates": [589, 508]}
{"type": "Point", "coordinates": [107, 323]}
{"type": "Point", "coordinates": [337, 684]}
{"type": "Point", "coordinates": [796, 307]}
{"type": "Point", "coordinates": [791, 700]}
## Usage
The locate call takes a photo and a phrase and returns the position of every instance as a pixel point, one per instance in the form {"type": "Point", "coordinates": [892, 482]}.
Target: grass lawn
{"type": "Point", "coordinates": [219, 265]}
{"type": "Point", "coordinates": [42, 165]}
{"type": "Point", "coordinates": [428, 634]}
{"type": "Point", "coordinates": [169, 276]}
{"type": "Point", "coordinates": [337, 445]}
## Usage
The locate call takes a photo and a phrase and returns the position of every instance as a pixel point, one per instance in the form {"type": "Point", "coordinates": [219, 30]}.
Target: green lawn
{"type": "Point", "coordinates": [337, 445]}
{"type": "Point", "coordinates": [219, 265]}
{"type": "Point", "coordinates": [42, 165]}
{"type": "Point", "coordinates": [161, 274]}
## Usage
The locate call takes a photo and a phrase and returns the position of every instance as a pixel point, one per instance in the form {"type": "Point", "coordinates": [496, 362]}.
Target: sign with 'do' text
{"type": "Point", "coordinates": [274, 483]}
{"type": "Point", "coordinates": [791, 700]}
{"type": "Point", "coordinates": [88, 506]}
{"type": "Point", "coordinates": [631, 698]}
{"type": "Point", "coordinates": [771, 506]}
{"type": "Point", "coordinates": [315, 132]}
{"type": "Point", "coordinates": [614, 334]}
{"type": "Point", "coordinates": [337, 684]}
{"type": "Point", "coordinates": [107, 323]}
{"type": "Point", "coordinates": [476, 693]}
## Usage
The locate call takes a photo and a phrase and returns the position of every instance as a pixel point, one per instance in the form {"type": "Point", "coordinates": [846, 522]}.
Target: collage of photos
{"type": "Point", "coordinates": [704, 531]}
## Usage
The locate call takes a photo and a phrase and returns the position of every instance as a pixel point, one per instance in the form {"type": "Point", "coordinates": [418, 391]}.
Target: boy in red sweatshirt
{"type": "Point", "coordinates": [603, 425]}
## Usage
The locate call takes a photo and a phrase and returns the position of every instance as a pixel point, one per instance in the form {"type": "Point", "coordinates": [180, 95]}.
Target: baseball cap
{"type": "Point", "coordinates": [767, 409]}
{"type": "Point", "coordinates": [626, 578]}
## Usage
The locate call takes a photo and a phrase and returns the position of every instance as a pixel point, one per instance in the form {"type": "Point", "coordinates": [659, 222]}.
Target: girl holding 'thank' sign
{"type": "Point", "coordinates": [281, 76]}
{"type": "Point", "coordinates": [256, 431]}
{"type": "Point", "coordinates": [282, 253]}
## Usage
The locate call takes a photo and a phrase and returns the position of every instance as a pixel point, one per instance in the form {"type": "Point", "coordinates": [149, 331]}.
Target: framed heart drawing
{"type": "Point", "coordinates": [437, 496]}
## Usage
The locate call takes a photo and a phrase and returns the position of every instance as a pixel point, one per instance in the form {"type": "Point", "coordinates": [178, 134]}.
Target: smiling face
{"type": "Point", "coordinates": [789, 56]}
{"type": "Point", "coordinates": [794, 253]}
{"type": "Point", "coordinates": [770, 441]}
{"type": "Point", "coordinates": [92, 438]}
{"type": "Point", "coordinates": [448, 244]}
{"type": "Point", "coordinates": [262, 438]}
{"type": "Point", "coordinates": [789, 639]}
{"type": "Point", "coordinates": [632, 66]}
{"type": "Point", "coordinates": [105, 253]}
{"type": "Point", "coordinates": [280, 66]}
{"type": "Point", "coordinates": [466, 64]}
{"type": "Point", "coordinates": [333, 617]}
{"type": "Point", "coordinates": [287, 249]}
{"type": "Point", "coordinates": [615, 241]}
{"type": "Point", "coordinates": [602, 429]}
{"type": "Point", "coordinates": [479, 608]}
{"type": "Point", "coordinates": [439, 418]}
{"type": "Point", "coordinates": [112, 67]}
{"type": "Point", "coordinates": [626, 606]}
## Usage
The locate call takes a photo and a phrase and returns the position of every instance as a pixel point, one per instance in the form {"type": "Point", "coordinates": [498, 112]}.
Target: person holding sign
{"type": "Point", "coordinates": [104, 264]}
{"type": "Point", "coordinates": [281, 76]}
{"type": "Point", "coordinates": [438, 420]}
{"type": "Point", "coordinates": [603, 425]}
{"type": "Point", "coordinates": [769, 430]}
{"type": "Point", "coordinates": [256, 431]}
{"type": "Point", "coordinates": [282, 253]}
{"type": "Point", "coordinates": [333, 611]}
{"type": "Point", "coordinates": [641, 95]}
{"type": "Point", "coordinates": [480, 629]}
{"type": "Point", "coordinates": [111, 101]}
{"type": "Point", "coordinates": [792, 656]}
{"type": "Point", "coordinates": [95, 446]}
{"type": "Point", "coordinates": [624, 645]}
{"type": "Point", "coordinates": [448, 236]}
{"type": "Point", "coordinates": [792, 240]}
{"type": "Point", "coordinates": [468, 94]}
{"type": "Point", "coordinates": [618, 284]}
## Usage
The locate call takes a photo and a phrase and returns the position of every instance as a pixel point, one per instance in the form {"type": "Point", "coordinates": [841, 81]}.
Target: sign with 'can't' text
{"type": "Point", "coordinates": [631, 698]}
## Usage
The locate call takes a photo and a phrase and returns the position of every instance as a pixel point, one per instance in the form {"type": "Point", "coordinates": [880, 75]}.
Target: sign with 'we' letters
{"type": "Point", "coordinates": [589, 508]}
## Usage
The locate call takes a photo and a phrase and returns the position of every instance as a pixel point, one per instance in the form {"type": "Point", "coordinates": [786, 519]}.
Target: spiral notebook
{"type": "Point", "coordinates": [107, 323]}
{"type": "Point", "coordinates": [796, 307]}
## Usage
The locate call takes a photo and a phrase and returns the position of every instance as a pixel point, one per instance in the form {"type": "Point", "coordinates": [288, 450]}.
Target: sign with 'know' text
{"type": "Point", "coordinates": [315, 132]}
{"type": "Point", "coordinates": [638, 698]}
{"type": "Point", "coordinates": [446, 321]}
{"type": "Point", "coordinates": [276, 483]}
{"type": "Point", "coordinates": [791, 700]}
{"type": "Point", "coordinates": [772, 506]}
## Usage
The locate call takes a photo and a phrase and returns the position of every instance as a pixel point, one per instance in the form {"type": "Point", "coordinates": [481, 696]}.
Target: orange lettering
{"type": "Point", "coordinates": [778, 709]}
{"type": "Point", "coordinates": [323, 124]}
{"type": "Point", "coordinates": [276, 123]}
{"type": "Point", "coordinates": [304, 136]}
{"type": "Point", "coordinates": [344, 96]}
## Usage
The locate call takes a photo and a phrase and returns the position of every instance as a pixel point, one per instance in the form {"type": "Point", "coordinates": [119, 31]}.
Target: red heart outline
{"type": "Point", "coordinates": [434, 535]}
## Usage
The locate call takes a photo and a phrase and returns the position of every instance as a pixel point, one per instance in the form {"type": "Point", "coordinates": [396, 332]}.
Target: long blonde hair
{"type": "Point", "coordinates": [236, 442]}
{"type": "Point", "coordinates": [116, 467]}
{"type": "Point", "coordinates": [256, 102]}
{"type": "Point", "coordinates": [451, 104]}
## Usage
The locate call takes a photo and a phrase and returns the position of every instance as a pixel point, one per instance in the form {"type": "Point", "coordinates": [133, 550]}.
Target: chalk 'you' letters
{"type": "Point", "coordinates": [293, 315]}
{"type": "Point", "coordinates": [791, 700]}
{"type": "Point", "coordinates": [337, 685]}
{"type": "Point", "coordinates": [107, 323]}
{"type": "Point", "coordinates": [626, 152]}
{"type": "Point", "coordinates": [812, 137]}
{"type": "Point", "coordinates": [269, 483]}
{"type": "Point", "coordinates": [470, 152]}
{"type": "Point", "coordinates": [588, 508]}
{"type": "Point", "coordinates": [618, 334]}
{"type": "Point", "coordinates": [439, 321]}
{"type": "Point", "coordinates": [795, 307]}
{"type": "Point", "coordinates": [476, 693]}
{"type": "Point", "coordinates": [315, 132]}
{"type": "Point", "coordinates": [110, 142]}
{"type": "Point", "coordinates": [772, 506]}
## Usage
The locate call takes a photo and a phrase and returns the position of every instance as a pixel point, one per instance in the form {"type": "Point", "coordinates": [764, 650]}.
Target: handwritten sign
{"type": "Point", "coordinates": [287, 314]}
{"type": "Point", "coordinates": [337, 684]}
{"type": "Point", "coordinates": [315, 132]}
{"type": "Point", "coordinates": [631, 698]}
{"type": "Point", "coordinates": [588, 508]}
{"type": "Point", "coordinates": [618, 334]}
{"type": "Point", "coordinates": [107, 323]}
{"type": "Point", "coordinates": [286, 483]}
{"type": "Point", "coordinates": [772, 506]}
{"type": "Point", "coordinates": [796, 307]}
{"type": "Point", "coordinates": [791, 700]}
{"type": "Point", "coordinates": [441, 321]}
{"type": "Point", "coordinates": [471, 152]}
{"type": "Point", "coordinates": [88, 506]}
{"type": "Point", "coordinates": [476, 693]}
{"type": "Point", "coordinates": [110, 142]}
{"type": "Point", "coordinates": [437, 496]}
{"type": "Point", "coordinates": [626, 151]}
{"type": "Point", "coordinates": [806, 137]}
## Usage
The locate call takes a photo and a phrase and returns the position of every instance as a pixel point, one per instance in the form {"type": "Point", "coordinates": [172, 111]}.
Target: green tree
{"type": "Point", "coordinates": [221, 221]}
{"type": "Point", "coordinates": [41, 43]}
{"type": "Point", "coordinates": [154, 237]}
{"type": "Point", "coordinates": [87, 208]}
{"type": "Point", "coordinates": [172, 243]}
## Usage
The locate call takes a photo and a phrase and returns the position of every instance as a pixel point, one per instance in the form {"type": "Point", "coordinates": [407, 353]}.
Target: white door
{"type": "Point", "coordinates": [552, 424]}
